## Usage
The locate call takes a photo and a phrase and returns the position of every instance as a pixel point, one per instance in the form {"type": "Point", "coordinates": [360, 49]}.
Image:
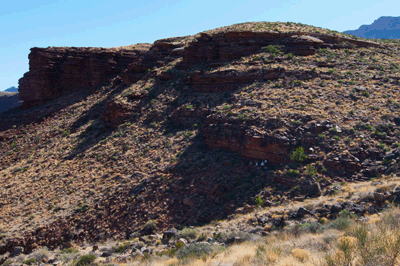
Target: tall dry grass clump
{"type": "Point", "coordinates": [369, 244]}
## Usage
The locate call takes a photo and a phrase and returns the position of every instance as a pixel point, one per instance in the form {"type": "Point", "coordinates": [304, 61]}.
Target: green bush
{"type": "Point", "coordinates": [66, 132]}
{"type": "Point", "coordinates": [298, 155]}
{"type": "Point", "coordinates": [121, 248]}
{"type": "Point", "coordinates": [292, 172]}
{"type": "Point", "coordinates": [86, 260]}
{"type": "Point", "coordinates": [273, 50]}
{"type": "Point", "coordinates": [311, 171]}
{"type": "Point", "coordinates": [259, 202]}
{"type": "Point", "coordinates": [29, 261]}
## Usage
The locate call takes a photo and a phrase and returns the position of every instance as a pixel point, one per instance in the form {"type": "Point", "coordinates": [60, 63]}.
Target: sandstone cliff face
{"type": "Point", "coordinates": [54, 71]}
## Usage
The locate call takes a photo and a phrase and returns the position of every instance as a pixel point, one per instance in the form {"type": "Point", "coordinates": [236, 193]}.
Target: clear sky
{"type": "Point", "coordinates": [105, 23]}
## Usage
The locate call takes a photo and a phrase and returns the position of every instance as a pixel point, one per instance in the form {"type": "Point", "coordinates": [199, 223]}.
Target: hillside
{"type": "Point", "coordinates": [117, 143]}
{"type": "Point", "coordinates": [9, 100]}
{"type": "Point", "coordinates": [382, 28]}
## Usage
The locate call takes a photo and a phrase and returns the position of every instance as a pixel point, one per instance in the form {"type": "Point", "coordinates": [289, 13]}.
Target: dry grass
{"type": "Point", "coordinates": [375, 243]}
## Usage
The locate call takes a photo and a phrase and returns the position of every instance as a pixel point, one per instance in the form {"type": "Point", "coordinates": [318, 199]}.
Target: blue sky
{"type": "Point", "coordinates": [105, 23]}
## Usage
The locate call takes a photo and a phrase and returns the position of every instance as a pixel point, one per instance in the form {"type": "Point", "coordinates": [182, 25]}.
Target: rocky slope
{"type": "Point", "coordinates": [382, 28]}
{"type": "Point", "coordinates": [188, 130]}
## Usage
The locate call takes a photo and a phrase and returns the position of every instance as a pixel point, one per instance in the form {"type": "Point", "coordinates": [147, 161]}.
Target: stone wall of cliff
{"type": "Point", "coordinates": [53, 71]}
{"type": "Point", "coordinates": [56, 70]}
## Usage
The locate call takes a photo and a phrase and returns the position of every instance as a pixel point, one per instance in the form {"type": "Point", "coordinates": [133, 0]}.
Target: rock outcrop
{"type": "Point", "coordinates": [54, 71]}
{"type": "Point", "coordinates": [237, 136]}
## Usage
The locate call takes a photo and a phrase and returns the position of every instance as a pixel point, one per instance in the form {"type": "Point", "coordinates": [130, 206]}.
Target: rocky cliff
{"type": "Point", "coordinates": [55, 70]}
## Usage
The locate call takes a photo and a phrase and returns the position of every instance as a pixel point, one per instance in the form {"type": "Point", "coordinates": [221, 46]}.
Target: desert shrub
{"type": "Point", "coordinates": [382, 189]}
{"type": "Point", "coordinates": [335, 258]}
{"type": "Point", "coordinates": [82, 208]}
{"type": "Point", "coordinates": [299, 229]}
{"type": "Point", "coordinates": [292, 172]}
{"type": "Point", "coordinates": [311, 171]}
{"type": "Point", "coordinates": [348, 244]}
{"type": "Point", "coordinates": [366, 197]}
{"type": "Point", "coordinates": [365, 94]}
{"type": "Point", "coordinates": [188, 233]}
{"type": "Point", "coordinates": [29, 261]}
{"type": "Point", "coordinates": [259, 202]}
{"type": "Point", "coordinates": [298, 155]}
{"type": "Point", "coordinates": [274, 50]}
{"type": "Point", "coordinates": [223, 237]}
{"type": "Point", "coordinates": [150, 225]}
{"type": "Point", "coordinates": [194, 251]}
{"type": "Point", "coordinates": [313, 227]}
{"type": "Point", "coordinates": [86, 260]}
{"type": "Point", "coordinates": [297, 83]}
{"type": "Point", "coordinates": [121, 248]}
{"type": "Point", "coordinates": [341, 223]}
{"type": "Point", "coordinates": [301, 254]}
{"type": "Point", "coordinates": [40, 254]}
{"type": "Point", "coordinates": [66, 132]}
{"type": "Point", "coordinates": [373, 244]}
{"type": "Point", "coordinates": [71, 250]}
{"type": "Point", "coordinates": [202, 237]}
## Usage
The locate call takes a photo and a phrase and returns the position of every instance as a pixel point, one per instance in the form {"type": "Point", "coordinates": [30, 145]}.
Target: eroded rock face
{"type": "Point", "coordinates": [54, 71]}
{"type": "Point", "coordinates": [230, 79]}
{"type": "Point", "coordinates": [239, 137]}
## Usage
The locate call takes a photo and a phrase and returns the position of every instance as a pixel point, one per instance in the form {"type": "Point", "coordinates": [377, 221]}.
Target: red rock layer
{"type": "Point", "coordinates": [54, 71]}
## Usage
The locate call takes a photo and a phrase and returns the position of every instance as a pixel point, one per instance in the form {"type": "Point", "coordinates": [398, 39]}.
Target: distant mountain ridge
{"type": "Point", "coordinates": [382, 28]}
{"type": "Point", "coordinates": [12, 89]}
